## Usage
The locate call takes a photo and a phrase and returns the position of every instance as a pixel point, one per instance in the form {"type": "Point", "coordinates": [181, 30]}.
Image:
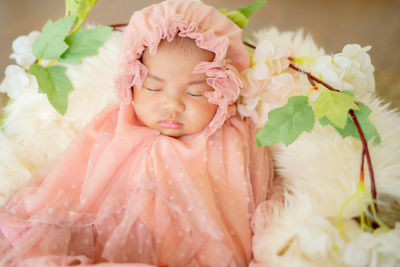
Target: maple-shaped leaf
{"type": "Point", "coordinates": [350, 128]}
{"type": "Point", "coordinates": [84, 43]}
{"type": "Point", "coordinates": [54, 83]}
{"type": "Point", "coordinates": [50, 44]}
{"type": "Point", "coordinates": [335, 106]}
{"type": "Point", "coordinates": [285, 124]}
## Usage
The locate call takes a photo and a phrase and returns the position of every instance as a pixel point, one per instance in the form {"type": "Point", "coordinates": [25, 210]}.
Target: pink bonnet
{"type": "Point", "coordinates": [210, 29]}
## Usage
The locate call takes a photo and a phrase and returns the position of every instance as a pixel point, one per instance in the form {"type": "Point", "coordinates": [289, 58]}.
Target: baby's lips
{"type": "Point", "coordinates": [171, 124]}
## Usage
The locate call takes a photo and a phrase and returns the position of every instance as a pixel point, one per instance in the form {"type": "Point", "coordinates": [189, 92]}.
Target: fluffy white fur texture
{"type": "Point", "coordinates": [319, 171]}
{"type": "Point", "coordinates": [40, 132]}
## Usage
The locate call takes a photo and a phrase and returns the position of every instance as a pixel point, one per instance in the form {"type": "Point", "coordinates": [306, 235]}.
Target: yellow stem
{"type": "Point", "coordinates": [378, 221]}
{"type": "Point", "coordinates": [312, 89]}
{"type": "Point", "coordinates": [340, 226]}
{"type": "Point", "coordinates": [51, 63]}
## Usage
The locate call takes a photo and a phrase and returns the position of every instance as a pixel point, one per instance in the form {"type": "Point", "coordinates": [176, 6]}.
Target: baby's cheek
{"type": "Point", "coordinates": [146, 101]}
{"type": "Point", "coordinates": [204, 111]}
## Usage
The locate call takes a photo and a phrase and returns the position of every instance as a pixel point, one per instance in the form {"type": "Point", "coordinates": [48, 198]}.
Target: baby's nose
{"type": "Point", "coordinates": [173, 104]}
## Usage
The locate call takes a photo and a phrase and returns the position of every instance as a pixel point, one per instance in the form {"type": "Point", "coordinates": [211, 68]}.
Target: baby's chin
{"type": "Point", "coordinates": [176, 133]}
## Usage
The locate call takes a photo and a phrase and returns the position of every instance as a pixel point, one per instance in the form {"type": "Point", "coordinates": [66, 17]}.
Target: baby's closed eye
{"type": "Point", "coordinates": [152, 88]}
{"type": "Point", "coordinates": [196, 94]}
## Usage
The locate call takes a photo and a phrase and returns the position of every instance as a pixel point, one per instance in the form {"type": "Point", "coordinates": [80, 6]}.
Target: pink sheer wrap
{"type": "Point", "coordinates": [124, 193]}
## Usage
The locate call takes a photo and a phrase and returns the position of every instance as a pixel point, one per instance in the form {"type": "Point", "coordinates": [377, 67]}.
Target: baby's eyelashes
{"type": "Point", "coordinates": [195, 94]}
{"type": "Point", "coordinates": [152, 90]}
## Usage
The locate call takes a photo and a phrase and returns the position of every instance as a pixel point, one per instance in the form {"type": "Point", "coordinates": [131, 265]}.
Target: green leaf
{"type": "Point", "coordinates": [253, 7]}
{"type": "Point", "coordinates": [285, 124]}
{"type": "Point", "coordinates": [350, 128]}
{"type": "Point", "coordinates": [50, 44]}
{"type": "Point", "coordinates": [223, 11]}
{"type": "Point", "coordinates": [238, 17]}
{"type": "Point", "coordinates": [79, 9]}
{"type": "Point", "coordinates": [54, 83]}
{"type": "Point", "coordinates": [241, 16]}
{"type": "Point", "coordinates": [84, 43]}
{"type": "Point", "coordinates": [335, 106]}
{"type": "Point", "coordinates": [348, 92]}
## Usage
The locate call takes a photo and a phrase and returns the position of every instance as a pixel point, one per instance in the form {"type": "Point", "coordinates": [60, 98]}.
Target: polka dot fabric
{"type": "Point", "coordinates": [124, 193]}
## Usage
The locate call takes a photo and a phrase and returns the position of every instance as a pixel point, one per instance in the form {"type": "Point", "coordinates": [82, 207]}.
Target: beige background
{"type": "Point", "coordinates": [332, 23]}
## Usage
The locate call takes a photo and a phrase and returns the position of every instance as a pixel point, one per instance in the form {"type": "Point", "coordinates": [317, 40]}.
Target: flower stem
{"type": "Point", "coordinates": [116, 26]}
{"type": "Point", "coordinates": [359, 129]}
{"type": "Point", "coordinates": [365, 147]}
{"type": "Point", "coordinates": [312, 77]}
{"type": "Point", "coordinates": [249, 45]}
{"type": "Point", "coordinates": [314, 88]}
{"type": "Point", "coordinates": [51, 63]}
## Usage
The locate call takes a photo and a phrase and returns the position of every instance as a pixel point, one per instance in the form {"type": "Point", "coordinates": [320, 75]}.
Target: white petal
{"type": "Point", "coordinates": [12, 70]}
{"type": "Point", "coordinates": [21, 43]}
{"type": "Point", "coordinates": [355, 255]}
{"type": "Point", "coordinates": [342, 61]}
{"type": "Point", "coordinates": [260, 71]}
{"type": "Point", "coordinates": [282, 52]}
{"type": "Point", "coordinates": [251, 103]}
{"type": "Point", "coordinates": [25, 60]}
{"type": "Point", "coordinates": [351, 50]}
{"type": "Point", "coordinates": [265, 49]}
{"type": "Point", "coordinates": [33, 35]}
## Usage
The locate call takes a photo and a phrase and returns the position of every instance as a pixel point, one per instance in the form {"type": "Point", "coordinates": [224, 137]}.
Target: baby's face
{"type": "Point", "coordinates": [172, 98]}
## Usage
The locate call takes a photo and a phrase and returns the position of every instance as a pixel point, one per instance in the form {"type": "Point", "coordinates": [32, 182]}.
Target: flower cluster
{"type": "Point", "coordinates": [374, 249]}
{"type": "Point", "coordinates": [349, 70]}
{"type": "Point", "coordinates": [319, 238]}
{"type": "Point", "coordinates": [266, 82]}
{"type": "Point", "coordinates": [22, 49]}
{"type": "Point", "coordinates": [269, 84]}
{"type": "Point", "coordinates": [17, 82]}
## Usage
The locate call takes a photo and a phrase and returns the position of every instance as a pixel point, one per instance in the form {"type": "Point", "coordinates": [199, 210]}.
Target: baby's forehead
{"type": "Point", "coordinates": [182, 46]}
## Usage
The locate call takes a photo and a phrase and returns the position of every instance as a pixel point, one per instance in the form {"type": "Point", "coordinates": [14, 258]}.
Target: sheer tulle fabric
{"type": "Point", "coordinates": [125, 193]}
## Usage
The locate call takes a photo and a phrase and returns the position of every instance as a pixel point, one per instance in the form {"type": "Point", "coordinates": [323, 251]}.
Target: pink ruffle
{"type": "Point", "coordinates": [216, 34]}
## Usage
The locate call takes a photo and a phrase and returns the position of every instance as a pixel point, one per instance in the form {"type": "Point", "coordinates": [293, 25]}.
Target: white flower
{"type": "Point", "coordinates": [17, 81]}
{"type": "Point", "coordinates": [318, 238]}
{"type": "Point", "coordinates": [266, 82]}
{"type": "Point", "coordinates": [374, 249]}
{"type": "Point", "coordinates": [349, 70]}
{"type": "Point", "coordinates": [358, 251]}
{"type": "Point", "coordinates": [269, 61]}
{"type": "Point", "coordinates": [22, 49]}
